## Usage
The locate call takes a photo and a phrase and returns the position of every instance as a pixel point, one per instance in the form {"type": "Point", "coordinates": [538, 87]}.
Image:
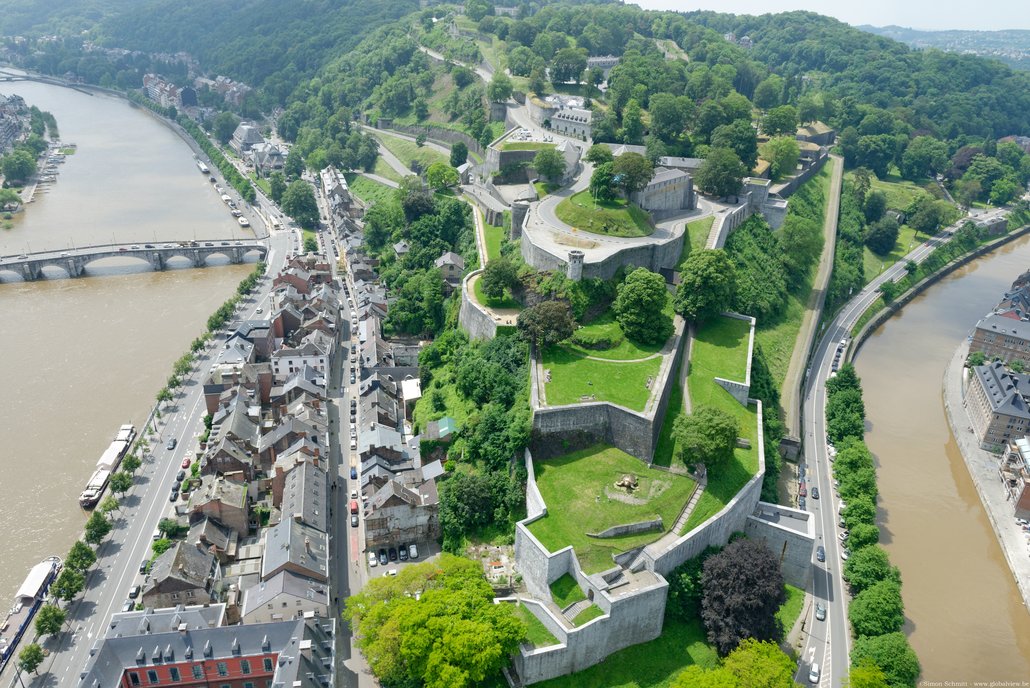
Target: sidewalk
{"type": "Point", "coordinates": [983, 469]}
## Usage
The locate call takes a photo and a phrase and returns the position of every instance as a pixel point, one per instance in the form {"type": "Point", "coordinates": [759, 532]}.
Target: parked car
{"type": "Point", "coordinates": [815, 493]}
{"type": "Point", "coordinates": [128, 605]}
{"type": "Point", "coordinates": [372, 561]}
{"type": "Point", "coordinates": [171, 443]}
{"type": "Point", "coordinates": [413, 551]}
{"type": "Point", "coordinates": [820, 612]}
{"type": "Point", "coordinates": [353, 520]}
{"type": "Point", "coordinates": [186, 462]}
{"type": "Point", "coordinates": [353, 494]}
{"type": "Point", "coordinates": [393, 554]}
{"type": "Point", "coordinates": [402, 553]}
{"type": "Point", "coordinates": [144, 566]}
{"type": "Point", "coordinates": [820, 553]}
{"type": "Point", "coordinates": [813, 673]}
{"type": "Point", "coordinates": [842, 535]}
{"type": "Point", "coordinates": [173, 496]}
{"type": "Point", "coordinates": [134, 592]}
{"type": "Point", "coordinates": [180, 476]}
{"type": "Point", "coordinates": [383, 559]}
{"type": "Point", "coordinates": [845, 553]}
{"type": "Point", "coordinates": [353, 473]}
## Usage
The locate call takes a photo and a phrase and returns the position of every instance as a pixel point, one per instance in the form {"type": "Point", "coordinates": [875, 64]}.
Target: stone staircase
{"type": "Point", "coordinates": [691, 503]}
{"type": "Point", "coordinates": [574, 609]}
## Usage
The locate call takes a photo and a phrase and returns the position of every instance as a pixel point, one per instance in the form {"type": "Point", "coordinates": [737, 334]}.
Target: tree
{"type": "Point", "coordinates": [568, 64]}
{"type": "Point", "coordinates": [740, 137]}
{"type": "Point", "coordinates": [550, 163]}
{"type": "Point", "coordinates": [862, 535]}
{"type": "Point", "coordinates": [866, 674]}
{"type": "Point", "coordinates": [768, 91]}
{"type": "Point", "coordinates": [868, 566]}
{"type": "Point", "coordinates": [537, 81]}
{"type": "Point", "coordinates": [977, 358]}
{"type": "Point", "coordinates": [459, 154]}
{"type": "Point", "coordinates": [434, 624]}
{"type": "Point", "coordinates": [80, 557]}
{"type": "Point", "coordinates": [68, 584]}
{"type": "Point", "coordinates": [97, 528]}
{"type": "Point", "coordinates": [758, 664]}
{"type": "Point", "coordinates": [276, 186]}
{"type": "Point", "coordinates": [875, 205]}
{"type": "Point", "coordinates": [695, 676]}
{"type": "Point", "coordinates": [686, 588]}
{"type": "Point", "coordinates": [599, 154]}
{"type": "Point", "coordinates": [602, 182]}
{"type": "Point", "coordinates": [546, 323]}
{"type": "Point", "coordinates": [743, 590]}
{"type": "Point", "coordinates": [708, 285]}
{"type": "Point", "coordinates": [924, 156]}
{"type": "Point", "coordinates": [780, 121]}
{"type": "Point", "coordinates": [30, 657]}
{"type": "Point", "coordinates": [109, 504]}
{"type": "Point", "coordinates": [224, 126]}
{"type": "Point", "coordinates": [706, 436]}
{"type": "Point", "coordinates": [160, 546]}
{"type": "Point", "coordinates": [499, 88]}
{"type": "Point", "coordinates": [926, 214]}
{"type": "Point", "coordinates": [131, 463]}
{"type": "Point", "coordinates": [293, 166]}
{"type": "Point", "coordinates": [171, 528]}
{"type": "Point", "coordinates": [121, 482]}
{"type": "Point", "coordinates": [782, 153]}
{"type": "Point", "coordinates": [498, 276]}
{"type": "Point", "coordinates": [1003, 191]}
{"type": "Point", "coordinates": [299, 203]}
{"type": "Point", "coordinates": [892, 654]}
{"type": "Point", "coordinates": [49, 619]}
{"type": "Point", "coordinates": [860, 509]}
{"type": "Point", "coordinates": [967, 191]}
{"type": "Point", "coordinates": [669, 115]}
{"type": "Point", "coordinates": [441, 176]}
{"type": "Point", "coordinates": [638, 307]}
{"type": "Point", "coordinates": [632, 123]}
{"type": "Point", "coordinates": [18, 165]}
{"type": "Point", "coordinates": [722, 173]}
{"type": "Point", "coordinates": [632, 172]}
{"type": "Point", "coordinates": [878, 609]}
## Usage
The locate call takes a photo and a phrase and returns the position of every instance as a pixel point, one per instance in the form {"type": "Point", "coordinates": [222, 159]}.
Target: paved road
{"type": "Point", "coordinates": [829, 642]}
{"type": "Point", "coordinates": [481, 71]}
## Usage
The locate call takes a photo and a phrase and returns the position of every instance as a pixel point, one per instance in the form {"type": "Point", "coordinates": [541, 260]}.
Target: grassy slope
{"type": "Point", "coordinates": [573, 376]}
{"type": "Point", "coordinates": [493, 235]}
{"type": "Point", "coordinates": [588, 614]}
{"type": "Point", "coordinates": [621, 218]}
{"type": "Point", "coordinates": [384, 170]}
{"type": "Point", "coordinates": [505, 301]}
{"type": "Point", "coordinates": [566, 591]}
{"type": "Point", "coordinates": [368, 190]}
{"type": "Point", "coordinates": [575, 489]}
{"type": "Point", "coordinates": [538, 635]}
{"type": "Point", "coordinates": [627, 350]}
{"type": "Point", "coordinates": [408, 152]}
{"type": "Point", "coordinates": [697, 236]}
{"type": "Point", "coordinates": [791, 608]}
{"type": "Point", "coordinates": [875, 264]}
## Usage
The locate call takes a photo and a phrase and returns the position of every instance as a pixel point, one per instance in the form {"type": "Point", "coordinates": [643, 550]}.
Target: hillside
{"type": "Point", "coordinates": [1011, 46]}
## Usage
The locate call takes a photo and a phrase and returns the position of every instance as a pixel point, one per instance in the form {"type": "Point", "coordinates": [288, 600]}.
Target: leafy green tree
{"type": "Point", "coordinates": [109, 504]}
{"type": "Point", "coordinates": [171, 528]}
{"type": "Point", "coordinates": [441, 176]}
{"type": "Point", "coordinates": [780, 121]}
{"type": "Point", "coordinates": [599, 154]}
{"type": "Point", "coordinates": [80, 557]}
{"type": "Point", "coordinates": [892, 654]}
{"type": "Point", "coordinates": [602, 182]}
{"type": "Point", "coordinates": [695, 676]}
{"type": "Point", "coordinates": [120, 482]}
{"type": "Point", "coordinates": [846, 378]}
{"type": "Point", "coordinates": [97, 528]}
{"type": "Point", "coordinates": [721, 174]}
{"type": "Point", "coordinates": [568, 65]}
{"type": "Point", "coordinates": [18, 166]}
{"type": "Point", "coordinates": [499, 89]}
{"type": "Point", "coordinates": [30, 657]}
{"type": "Point", "coordinates": [546, 323]}
{"type": "Point", "coordinates": [669, 115]}
{"type": "Point", "coordinates": [882, 235]}
{"type": "Point", "coordinates": [459, 154]}
{"type": "Point", "coordinates": [161, 545]}
{"type": "Point", "coordinates": [686, 588]}
{"type": "Point", "coordinates": [550, 163]}
{"type": "Point", "coordinates": [68, 584]}
{"type": "Point", "coordinates": [743, 590]}
{"type": "Point", "coordinates": [293, 166]}
{"type": "Point", "coordinates": [868, 566]}
{"type": "Point", "coordinates": [451, 636]}
{"type": "Point", "coordinates": [276, 186]}
{"type": "Point", "coordinates": [740, 137]}
{"type": "Point", "coordinates": [977, 358]}
{"type": "Point", "coordinates": [299, 203]}
{"type": "Point", "coordinates": [49, 619]}
{"type": "Point", "coordinates": [9, 197]}
{"type": "Point", "coordinates": [768, 92]}
{"type": "Point", "coordinates": [801, 241]}
{"type": "Point", "coordinates": [708, 285]}
{"type": "Point", "coordinates": [706, 436]}
{"type": "Point", "coordinates": [876, 152]}
{"type": "Point", "coordinates": [538, 81]}
{"type": "Point", "coordinates": [760, 664]}
{"type": "Point", "coordinates": [632, 123]}
{"type": "Point", "coordinates": [1004, 191]}
{"type": "Point", "coordinates": [782, 153]}
{"type": "Point", "coordinates": [875, 205]}
{"type": "Point", "coordinates": [866, 674]}
{"type": "Point", "coordinates": [632, 172]}
{"type": "Point", "coordinates": [224, 126]}
{"type": "Point", "coordinates": [131, 463]}
{"type": "Point", "coordinates": [967, 191]}
{"type": "Point", "coordinates": [924, 156]}
{"type": "Point", "coordinates": [877, 610]}
{"type": "Point", "coordinates": [862, 535]}
{"type": "Point", "coordinates": [498, 276]}
{"type": "Point", "coordinates": [639, 307]}
{"type": "Point", "coordinates": [861, 509]}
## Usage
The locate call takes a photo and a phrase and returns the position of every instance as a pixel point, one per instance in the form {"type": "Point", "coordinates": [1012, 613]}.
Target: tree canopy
{"type": "Point", "coordinates": [722, 173]}
{"type": "Point", "coordinates": [708, 285]}
{"type": "Point", "coordinates": [639, 307]}
{"type": "Point", "coordinates": [706, 436]}
{"type": "Point", "coordinates": [546, 323]}
{"type": "Point", "coordinates": [299, 202]}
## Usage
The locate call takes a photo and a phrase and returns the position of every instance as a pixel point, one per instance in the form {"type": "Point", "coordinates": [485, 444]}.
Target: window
{"type": "Point", "coordinates": [198, 671]}
{"type": "Point", "coordinates": [152, 676]}
{"type": "Point", "coordinates": [134, 678]}
{"type": "Point", "coordinates": [174, 674]}
{"type": "Point", "coordinates": [248, 684]}
{"type": "Point", "coordinates": [223, 670]}
{"type": "Point", "coordinates": [269, 665]}
{"type": "Point", "coordinates": [244, 667]}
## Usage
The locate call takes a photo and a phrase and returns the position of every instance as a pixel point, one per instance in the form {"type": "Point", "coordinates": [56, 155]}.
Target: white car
{"type": "Point", "coordinates": [372, 561]}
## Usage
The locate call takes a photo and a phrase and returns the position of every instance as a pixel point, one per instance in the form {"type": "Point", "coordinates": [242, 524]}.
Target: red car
{"type": "Point", "coordinates": [186, 462]}
{"type": "Point", "coordinates": [802, 490]}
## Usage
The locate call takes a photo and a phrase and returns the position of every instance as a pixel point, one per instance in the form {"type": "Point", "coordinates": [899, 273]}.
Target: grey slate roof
{"type": "Point", "coordinates": [305, 496]}
{"type": "Point", "coordinates": [182, 567]}
{"type": "Point", "coordinates": [169, 619]}
{"type": "Point", "coordinates": [998, 323]}
{"type": "Point", "coordinates": [292, 543]}
{"type": "Point", "coordinates": [284, 582]}
{"type": "Point", "coordinates": [1006, 391]}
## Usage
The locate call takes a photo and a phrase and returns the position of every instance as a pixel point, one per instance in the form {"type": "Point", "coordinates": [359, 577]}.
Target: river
{"type": "Point", "coordinates": [964, 617]}
{"type": "Point", "coordinates": [82, 356]}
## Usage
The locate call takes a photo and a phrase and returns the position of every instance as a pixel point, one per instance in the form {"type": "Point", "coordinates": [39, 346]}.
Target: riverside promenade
{"type": "Point", "coordinates": [983, 469]}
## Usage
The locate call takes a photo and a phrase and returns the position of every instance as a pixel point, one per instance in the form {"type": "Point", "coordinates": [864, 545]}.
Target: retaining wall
{"type": "Point", "coordinates": [472, 317]}
{"type": "Point", "coordinates": [629, 529]}
{"type": "Point", "coordinates": [741, 390]}
{"type": "Point", "coordinates": [790, 535]}
{"type": "Point", "coordinates": [791, 185]}
{"type": "Point", "coordinates": [439, 135]}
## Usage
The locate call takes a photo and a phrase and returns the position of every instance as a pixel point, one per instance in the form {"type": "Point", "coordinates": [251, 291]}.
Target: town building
{"type": "Point", "coordinates": [452, 267]}
{"type": "Point", "coordinates": [575, 122]}
{"type": "Point", "coordinates": [1004, 335]}
{"type": "Point", "coordinates": [184, 574]}
{"type": "Point", "coordinates": [603, 62]}
{"type": "Point", "coordinates": [221, 499]}
{"type": "Point", "coordinates": [297, 547]}
{"type": "Point", "coordinates": [245, 137]}
{"type": "Point", "coordinates": [1015, 475]}
{"type": "Point", "coordinates": [669, 189]}
{"type": "Point", "coordinates": [399, 513]}
{"type": "Point", "coordinates": [998, 402]}
{"type": "Point", "coordinates": [283, 596]}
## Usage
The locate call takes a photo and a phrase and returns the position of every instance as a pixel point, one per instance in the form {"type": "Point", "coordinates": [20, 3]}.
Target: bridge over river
{"type": "Point", "coordinates": [73, 261]}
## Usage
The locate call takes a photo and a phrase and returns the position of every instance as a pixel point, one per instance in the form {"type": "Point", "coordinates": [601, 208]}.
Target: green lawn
{"type": "Point", "coordinates": [493, 235]}
{"type": "Point", "coordinates": [573, 375]}
{"type": "Point", "coordinates": [538, 635]}
{"type": "Point", "coordinates": [566, 591]}
{"type": "Point", "coordinates": [544, 188]}
{"type": "Point", "coordinates": [720, 350]}
{"type": "Point", "coordinates": [791, 608]}
{"type": "Point", "coordinates": [588, 614]}
{"type": "Point", "coordinates": [408, 152]}
{"type": "Point", "coordinates": [697, 236]}
{"type": "Point", "coordinates": [648, 665]}
{"type": "Point", "coordinates": [605, 324]}
{"type": "Point", "coordinates": [442, 392]}
{"type": "Point", "coordinates": [900, 192]}
{"type": "Point", "coordinates": [503, 302]}
{"type": "Point", "coordinates": [576, 489]}
{"type": "Point", "coordinates": [875, 264]}
{"type": "Point", "coordinates": [614, 218]}
{"type": "Point", "coordinates": [526, 145]}
{"type": "Point", "coordinates": [261, 183]}
{"type": "Point", "coordinates": [368, 190]}
{"type": "Point", "coordinates": [383, 169]}
{"type": "Point", "coordinates": [666, 448]}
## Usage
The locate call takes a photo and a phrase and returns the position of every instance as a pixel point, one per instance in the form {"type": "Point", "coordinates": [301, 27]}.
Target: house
{"type": "Point", "coordinates": [251, 377]}
{"type": "Point", "coordinates": [185, 574]}
{"type": "Point", "coordinates": [401, 248]}
{"type": "Point", "coordinates": [399, 514]}
{"type": "Point", "coordinates": [442, 430]}
{"type": "Point", "coordinates": [575, 122]}
{"type": "Point", "coordinates": [245, 137]}
{"type": "Point", "coordinates": [669, 189]}
{"type": "Point", "coordinates": [298, 653]}
{"type": "Point", "coordinates": [221, 499]}
{"type": "Point", "coordinates": [217, 539]}
{"type": "Point", "coordinates": [998, 402]}
{"type": "Point", "coordinates": [150, 621]}
{"type": "Point", "coordinates": [267, 157]}
{"type": "Point", "coordinates": [284, 596]}
{"type": "Point", "coordinates": [689, 165]}
{"type": "Point", "coordinates": [314, 351]}
{"type": "Point", "coordinates": [305, 496]}
{"type": "Point", "coordinates": [294, 546]}
{"type": "Point", "coordinates": [818, 133]}
{"type": "Point", "coordinates": [1004, 335]}
{"type": "Point", "coordinates": [603, 62]}
{"type": "Point", "coordinates": [451, 267]}
{"type": "Point", "coordinates": [226, 457]}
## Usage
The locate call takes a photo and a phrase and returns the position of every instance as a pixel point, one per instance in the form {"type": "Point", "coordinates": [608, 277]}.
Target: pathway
{"type": "Point", "coordinates": [382, 180]}
{"type": "Point", "coordinates": [814, 307]}
{"type": "Point", "coordinates": [481, 71]}
{"type": "Point", "coordinates": [397, 135]}
{"type": "Point", "coordinates": [393, 161]}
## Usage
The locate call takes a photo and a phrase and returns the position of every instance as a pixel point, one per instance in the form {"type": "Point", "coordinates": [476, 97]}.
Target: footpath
{"type": "Point", "coordinates": [983, 469]}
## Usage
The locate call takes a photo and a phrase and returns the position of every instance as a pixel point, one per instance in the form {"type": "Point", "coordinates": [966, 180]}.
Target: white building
{"type": "Point", "coordinates": [314, 351]}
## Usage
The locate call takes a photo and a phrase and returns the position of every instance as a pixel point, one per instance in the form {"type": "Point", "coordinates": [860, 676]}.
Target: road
{"type": "Point", "coordinates": [829, 642]}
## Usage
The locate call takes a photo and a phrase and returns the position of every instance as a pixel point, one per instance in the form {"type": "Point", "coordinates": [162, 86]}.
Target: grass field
{"type": "Point", "coordinates": [384, 170]}
{"type": "Point", "coordinates": [261, 183]}
{"type": "Point", "coordinates": [526, 145]}
{"type": "Point", "coordinates": [493, 235]}
{"type": "Point", "coordinates": [613, 218]}
{"type": "Point", "coordinates": [607, 325]}
{"type": "Point", "coordinates": [900, 192]}
{"type": "Point", "coordinates": [720, 350]}
{"type": "Point", "coordinates": [875, 264]}
{"type": "Point", "coordinates": [544, 188]}
{"type": "Point", "coordinates": [573, 376]}
{"type": "Point", "coordinates": [504, 302]}
{"type": "Point", "coordinates": [368, 190]}
{"type": "Point", "coordinates": [566, 591]}
{"type": "Point", "coordinates": [442, 391]}
{"type": "Point", "coordinates": [588, 614]}
{"type": "Point", "coordinates": [697, 234]}
{"type": "Point", "coordinates": [408, 152]}
{"type": "Point", "coordinates": [538, 635]}
{"type": "Point", "coordinates": [791, 608]}
{"type": "Point", "coordinates": [576, 489]}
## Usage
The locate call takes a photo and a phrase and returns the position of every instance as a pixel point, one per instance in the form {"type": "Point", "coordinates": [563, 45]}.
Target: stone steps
{"type": "Point", "coordinates": [574, 609]}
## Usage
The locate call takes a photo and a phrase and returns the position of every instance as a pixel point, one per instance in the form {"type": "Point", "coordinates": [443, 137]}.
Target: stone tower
{"type": "Point", "coordinates": [575, 272]}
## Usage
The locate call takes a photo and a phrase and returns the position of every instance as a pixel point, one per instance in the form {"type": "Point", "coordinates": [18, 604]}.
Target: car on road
{"type": "Point", "coordinates": [383, 559]}
{"type": "Point", "coordinates": [353, 494]}
{"type": "Point", "coordinates": [180, 476]}
{"type": "Point", "coordinates": [845, 553]}
{"type": "Point", "coordinates": [813, 673]}
{"type": "Point", "coordinates": [128, 605]}
{"type": "Point", "coordinates": [842, 535]}
{"type": "Point", "coordinates": [208, 243]}
{"type": "Point", "coordinates": [148, 246]}
{"type": "Point", "coordinates": [65, 253]}
{"type": "Point", "coordinates": [820, 612]}
{"type": "Point", "coordinates": [260, 310]}
{"type": "Point", "coordinates": [144, 566]}
{"type": "Point", "coordinates": [122, 248]}
{"type": "Point", "coordinates": [820, 553]}
{"type": "Point", "coordinates": [393, 554]}
{"type": "Point", "coordinates": [22, 257]}
{"type": "Point", "coordinates": [353, 473]}
{"type": "Point", "coordinates": [171, 443]}
{"type": "Point", "coordinates": [802, 490]}
{"type": "Point", "coordinates": [801, 503]}
{"type": "Point", "coordinates": [185, 462]}
{"type": "Point", "coordinates": [134, 592]}
{"type": "Point", "coordinates": [413, 551]}
{"type": "Point", "coordinates": [815, 493]}
{"type": "Point", "coordinates": [402, 553]}
{"type": "Point", "coordinates": [244, 222]}
{"type": "Point", "coordinates": [372, 561]}
{"type": "Point", "coordinates": [352, 378]}
{"type": "Point", "coordinates": [353, 520]}
{"type": "Point", "coordinates": [173, 496]}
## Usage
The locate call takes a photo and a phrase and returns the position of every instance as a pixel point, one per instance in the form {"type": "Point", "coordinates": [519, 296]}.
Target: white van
{"type": "Point", "coordinates": [813, 673]}
{"type": "Point", "coordinates": [157, 535]}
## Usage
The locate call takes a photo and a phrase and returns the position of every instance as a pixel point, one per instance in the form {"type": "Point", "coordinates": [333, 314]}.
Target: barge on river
{"type": "Point", "coordinates": [106, 466]}
{"type": "Point", "coordinates": [28, 600]}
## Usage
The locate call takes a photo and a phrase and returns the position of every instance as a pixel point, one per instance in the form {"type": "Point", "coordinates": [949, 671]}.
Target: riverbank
{"type": "Point", "coordinates": [983, 469]}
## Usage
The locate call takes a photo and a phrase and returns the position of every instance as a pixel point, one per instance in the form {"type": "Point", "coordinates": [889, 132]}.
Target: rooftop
{"type": "Point", "coordinates": [1007, 392]}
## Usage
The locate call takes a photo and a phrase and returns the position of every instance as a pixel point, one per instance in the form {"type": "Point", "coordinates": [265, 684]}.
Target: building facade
{"type": "Point", "coordinates": [997, 402]}
{"type": "Point", "coordinates": [1004, 336]}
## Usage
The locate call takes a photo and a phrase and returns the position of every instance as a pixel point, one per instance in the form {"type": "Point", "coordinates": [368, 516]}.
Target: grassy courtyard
{"type": "Point", "coordinates": [566, 591]}
{"type": "Point", "coordinates": [499, 303]}
{"type": "Point", "coordinates": [538, 635]}
{"type": "Point", "coordinates": [605, 325]}
{"type": "Point", "coordinates": [526, 145]}
{"type": "Point", "coordinates": [493, 235]}
{"type": "Point", "coordinates": [613, 218]}
{"type": "Point", "coordinates": [875, 264]}
{"type": "Point", "coordinates": [574, 377]}
{"type": "Point", "coordinates": [579, 491]}
{"type": "Point", "coordinates": [408, 152]}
